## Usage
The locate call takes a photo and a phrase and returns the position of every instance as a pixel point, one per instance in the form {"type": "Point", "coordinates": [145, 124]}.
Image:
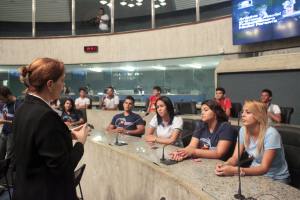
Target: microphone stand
{"type": "Point", "coordinates": [239, 194]}
{"type": "Point", "coordinates": [165, 161]}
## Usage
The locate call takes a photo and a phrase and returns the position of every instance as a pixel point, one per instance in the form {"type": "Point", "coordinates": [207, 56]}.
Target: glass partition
{"type": "Point", "coordinates": [184, 79]}
{"type": "Point", "coordinates": [15, 18]}
{"type": "Point", "coordinates": [132, 15]}
{"type": "Point", "coordinates": [92, 16]}
{"type": "Point", "coordinates": [53, 19]}
{"type": "Point", "coordinates": [169, 12]}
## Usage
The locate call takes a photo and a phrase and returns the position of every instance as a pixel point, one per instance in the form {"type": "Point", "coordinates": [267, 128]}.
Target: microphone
{"type": "Point", "coordinates": [239, 194]}
{"type": "Point", "coordinates": [165, 161]}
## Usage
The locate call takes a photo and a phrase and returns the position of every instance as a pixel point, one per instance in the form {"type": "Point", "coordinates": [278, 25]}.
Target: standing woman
{"type": "Point", "coordinates": [45, 155]}
{"type": "Point", "coordinates": [168, 127]}
{"type": "Point", "coordinates": [262, 143]}
{"type": "Point", "coordinates": [70, 115]}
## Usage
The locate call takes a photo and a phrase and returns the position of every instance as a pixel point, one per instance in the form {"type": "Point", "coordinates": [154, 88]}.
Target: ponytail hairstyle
{"type": "Point", "coordinates": [36, 75]}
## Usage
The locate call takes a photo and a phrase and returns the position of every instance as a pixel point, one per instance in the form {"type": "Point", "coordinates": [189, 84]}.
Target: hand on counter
{"type": "Point", "coordinates": [181, 154]}
{"type": "Point", "coordinates": [225, 170]}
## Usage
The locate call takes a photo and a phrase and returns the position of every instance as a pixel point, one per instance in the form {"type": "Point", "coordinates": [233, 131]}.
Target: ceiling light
{"type": "Point", "coordinates": [95, 69]}
{"type": "Point", "coordinates": [140, 1]}
{"type": "Point", "coordinates": [130, 5]}
{"type": "Point", "coordinates": [163, 3]}
{"type": "Point", "coordinates": [139, 4]}
{"type": "Point", "coordinates": [128, 68]}
{"type": "Point", "coordinates": [103, 2]}
{"type": "Point", "coordinates": [156, 6]}
{"type": "Point", "coordinates": [109, 4]}
{"type": "Point", "coordinates": [159, 67]}
{"type": "Point", "coordinates": [123, 3]}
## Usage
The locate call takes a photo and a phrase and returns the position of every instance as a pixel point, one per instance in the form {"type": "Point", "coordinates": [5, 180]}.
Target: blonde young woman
{"type": "Point", "coordinates": [262, 143]}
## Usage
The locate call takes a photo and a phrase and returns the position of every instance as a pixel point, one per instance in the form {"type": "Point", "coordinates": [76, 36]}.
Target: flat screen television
{"type": "Point", "coordinates": [263, 20]}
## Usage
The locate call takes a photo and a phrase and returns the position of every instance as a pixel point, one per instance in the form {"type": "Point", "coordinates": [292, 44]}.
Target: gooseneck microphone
{"type": "Point", "coordinates": [165, 161]}
{"type": "Point", "coordinates": [239, 194]}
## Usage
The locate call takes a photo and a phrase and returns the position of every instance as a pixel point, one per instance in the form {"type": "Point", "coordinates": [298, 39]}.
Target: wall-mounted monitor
{"type": "Point", "coordinates": [262, 20]}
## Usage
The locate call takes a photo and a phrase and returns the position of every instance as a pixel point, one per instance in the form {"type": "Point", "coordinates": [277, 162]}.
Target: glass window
{"type": "Point", "coordinates": [174, 12]}
{"type": "Point", "coordinates": [132, 15]}
{"type": "Point", "coordinates": [53, 19]}
{"type": "Point", "coordinates": [15, 18]}
{"type": "Point", "coordinates": [92, 16]}
{"type": "Point", "coordinates": [216, 9]}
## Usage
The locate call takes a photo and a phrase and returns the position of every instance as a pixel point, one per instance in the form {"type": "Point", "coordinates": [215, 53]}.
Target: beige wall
{"type": "Point", "coordinates": [209, 38]}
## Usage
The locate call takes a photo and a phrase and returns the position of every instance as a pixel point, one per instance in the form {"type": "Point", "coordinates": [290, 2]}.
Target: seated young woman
{"type": "Point", "coordinates": [70, 115]}
{"type": "Point", "coordinates": [261, 142]}
{"type": "Point", "coordinates": [213, 137]}
{"type": "Point", "coordinates": [167, 126]}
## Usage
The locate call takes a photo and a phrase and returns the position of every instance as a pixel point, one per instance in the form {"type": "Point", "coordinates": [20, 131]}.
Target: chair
{"type": "Point", "coordinates": [77, 177]}
{"type": "Point", "coordinates": [235, 109]}
{"type": "Point", "coordinates": [120, 106]}
{"type": "Point", "coordinates": [186, 108]}
{"type": "Point", "coordinates": [291, 142]}
{"type": "Point", "coordinates": [4, 165]}
{"type": "Point", "coordinates": [286, 114]}
{"type": "Point", "coordinates": [187, 133]}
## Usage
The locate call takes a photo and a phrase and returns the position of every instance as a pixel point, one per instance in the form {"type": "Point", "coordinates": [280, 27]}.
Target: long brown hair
{"type": "Point", "coordinates": [260, 114]}
{"type": "Point", "coordinates": [35, 75]}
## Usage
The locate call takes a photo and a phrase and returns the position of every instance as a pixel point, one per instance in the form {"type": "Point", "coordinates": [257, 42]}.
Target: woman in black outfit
{"type": "Point", "coordinates": [45, 155]}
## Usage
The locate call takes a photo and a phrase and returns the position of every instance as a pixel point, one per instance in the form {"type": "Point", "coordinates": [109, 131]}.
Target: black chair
{"type": "Point", "coordinates": [235, 109]}
{"type": "Point", "coordinates": [187, 133]}
{"type": "Point", "coordinates": [185, 108]}
{"type": "Point", "coordinates": [4, 166]}
{"type": "Point", "coordinates": [77, 177]}
{"type": "Point", "coordinates": [291, 142]}
{"type": "Point", "coordinates": [120, 106]}
{"type": "Point", "coordinates": [286, 114]}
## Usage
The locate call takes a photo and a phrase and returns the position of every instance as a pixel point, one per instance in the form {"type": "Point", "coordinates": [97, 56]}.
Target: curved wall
{"type": "Point", "coordinates": [199, 39]}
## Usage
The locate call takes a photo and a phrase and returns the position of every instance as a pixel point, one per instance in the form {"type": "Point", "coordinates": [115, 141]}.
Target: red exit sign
{"type": "Point", "coordinates": [91, 49]}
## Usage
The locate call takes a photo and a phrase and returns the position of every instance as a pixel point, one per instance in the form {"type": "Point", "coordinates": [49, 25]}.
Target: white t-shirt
{"type": "Point", "coordinates": [82, 101]}
{"type": "Point", "coordinates": [111, 103]}
{"type": "Point", "coordinates": [275, 109]}
{"type": "Point", "coordinates": [103, 24]}
{"type": "Point", "coordinates": [166, 131]}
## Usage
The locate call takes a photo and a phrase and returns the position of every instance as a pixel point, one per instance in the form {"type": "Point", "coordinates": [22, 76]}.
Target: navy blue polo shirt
{"type": "Point", "coordinates": [128, 122]}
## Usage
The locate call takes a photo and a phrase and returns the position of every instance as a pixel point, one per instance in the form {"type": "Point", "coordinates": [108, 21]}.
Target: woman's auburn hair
{"type": "Point", "coordinates": [35, 75]}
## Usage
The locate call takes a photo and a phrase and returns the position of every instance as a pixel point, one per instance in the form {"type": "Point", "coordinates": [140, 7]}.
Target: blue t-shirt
{"type": "Point", "coordinates": [74, 116]}
{"type": "Point", "coordinates": [223, 131]}
{"type": "Point", "coordinates": [278, 169]}
{"type": "Point", "coordinates": [129, 122]}
{"type": "Point", "coordinates": [8, 113]}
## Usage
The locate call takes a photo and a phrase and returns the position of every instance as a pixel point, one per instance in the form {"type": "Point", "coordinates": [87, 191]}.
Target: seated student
{"type": "Point", "coordinates": [82, 102]}
{"type": "Point", "coordinates": [110, 101]}
{"type": "Point", "coordinates": [223, 101]}
{"type": "Point", "coordinates": [261, 142]}
{"type": "Point", "coordinates": [274, 112]}
{"type": "Point", "coordinates": [168, 127]}
{"type": "Point", "coordinates": [213, 137]}
{"type": "Point", "coordinates": [70, 115]}
{"type": "Point", "coordinates": [153, 98]}
{"type": "Point", "coordinates": [132, 124]}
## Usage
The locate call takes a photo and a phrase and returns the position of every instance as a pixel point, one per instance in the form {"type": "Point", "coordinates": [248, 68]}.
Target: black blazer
{"type": "Point", "coordinates": [45, 155]}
